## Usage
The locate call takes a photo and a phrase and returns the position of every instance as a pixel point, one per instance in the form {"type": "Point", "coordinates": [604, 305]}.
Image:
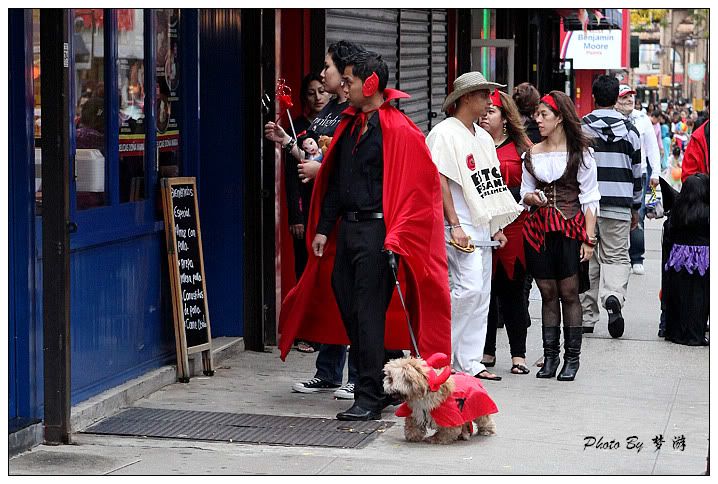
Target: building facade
{"type": "Point", "coordinates": [154, 93]}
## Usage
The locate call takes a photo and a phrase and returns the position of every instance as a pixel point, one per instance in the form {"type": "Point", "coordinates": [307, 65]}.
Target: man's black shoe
{"type": "Point", "coordinates": [615, 318]}
{"type": "Point", "coordinates": [357, 413]}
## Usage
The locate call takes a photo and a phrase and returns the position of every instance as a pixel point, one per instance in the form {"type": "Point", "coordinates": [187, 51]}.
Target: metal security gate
{"type": "Point", "coordinates": [374, 29]}
{"type": "Point", "coordinates": [439, 63]}
{"type": "Point", "coordinates": [413, 42]}
{"type": "Point", "coordinates": [423, 64]}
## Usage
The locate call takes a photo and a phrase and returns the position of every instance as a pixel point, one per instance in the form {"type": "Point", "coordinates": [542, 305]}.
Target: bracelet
{"type": "Point", "coordinates": [289, 145]}
{"type": "Point", "coordinates": [457, 226]}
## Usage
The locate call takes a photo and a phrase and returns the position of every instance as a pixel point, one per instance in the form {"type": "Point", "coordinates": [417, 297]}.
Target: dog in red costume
{"type": "Point", "coordinates": [455, 404]}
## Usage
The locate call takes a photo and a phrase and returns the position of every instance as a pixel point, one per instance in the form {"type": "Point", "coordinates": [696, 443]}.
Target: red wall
{"type": "Point", "coordinates": [584, 81]}
{"type": "Point", "coordinates": [294, 64]}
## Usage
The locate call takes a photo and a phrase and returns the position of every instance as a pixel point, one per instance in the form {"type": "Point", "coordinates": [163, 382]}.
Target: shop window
{"type": "Point", "coordinates": [131, 83]}
{"type": "Point", "coordinates": [37, 107]}
{"type": "Point", "coordinates": [167, 70]}
{"type": "Point", "coordinates": [90, 116]}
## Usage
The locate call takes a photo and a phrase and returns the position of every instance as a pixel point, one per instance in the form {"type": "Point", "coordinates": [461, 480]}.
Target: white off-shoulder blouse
{"type": "Point", "coordinates": [550, 166]}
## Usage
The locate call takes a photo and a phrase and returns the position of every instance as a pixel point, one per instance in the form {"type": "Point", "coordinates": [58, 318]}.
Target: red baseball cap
{"type": "Point", "coordinates": [625, 89]}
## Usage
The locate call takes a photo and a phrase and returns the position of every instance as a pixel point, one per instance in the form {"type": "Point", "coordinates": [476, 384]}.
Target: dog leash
{"type": "Point", "coordinates": [393, 265]}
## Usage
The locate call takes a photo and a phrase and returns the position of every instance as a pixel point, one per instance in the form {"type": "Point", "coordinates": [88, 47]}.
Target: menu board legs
{"type": "Point", "coordinates": [186, 267]}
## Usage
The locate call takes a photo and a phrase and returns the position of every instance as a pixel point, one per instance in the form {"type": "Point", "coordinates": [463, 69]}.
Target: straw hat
{"type": "Point", "coordinates": [466, 83]}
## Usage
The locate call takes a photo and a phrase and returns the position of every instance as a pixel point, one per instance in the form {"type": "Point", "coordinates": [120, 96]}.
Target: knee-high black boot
{"type": "Point", "coordinates": [572, 350]}
{"type": "Point", "coordinates": [551, 342]}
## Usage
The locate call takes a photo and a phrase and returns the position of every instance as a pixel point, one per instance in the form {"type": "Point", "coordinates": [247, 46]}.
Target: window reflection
{"type": "Point", "coordinates": [90, 116]}
{"type": "Point", "coordinates": [131, 82]}
{"type": "Point", "coordinates": [168, 80]}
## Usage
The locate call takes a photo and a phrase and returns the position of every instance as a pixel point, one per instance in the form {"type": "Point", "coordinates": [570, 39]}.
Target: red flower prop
{"type": "Point", "coordinates": [370, 85]}
{"type": "Point", "coordinates": [284, 94]}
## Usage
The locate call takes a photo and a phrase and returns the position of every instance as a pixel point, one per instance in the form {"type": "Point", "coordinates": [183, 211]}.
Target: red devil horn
{"type": "Point", "coordinates": [435, 381]}
{"type": "Point", "coordinates": [434, 362]}
{"type": "Point", "coordinates": [437, 360]}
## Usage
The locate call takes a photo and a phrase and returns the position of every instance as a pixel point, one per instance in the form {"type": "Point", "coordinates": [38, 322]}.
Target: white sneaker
{"type": "Point", "coordinates": [638, 269]}
{"type": "Point", "coordinates": [313, 386]}
{"type": "Point", "coordinates": [345, 392]}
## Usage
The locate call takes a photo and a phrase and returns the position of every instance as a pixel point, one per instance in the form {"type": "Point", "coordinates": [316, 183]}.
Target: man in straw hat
{"type": "Point", "coordinates": [477, 204]}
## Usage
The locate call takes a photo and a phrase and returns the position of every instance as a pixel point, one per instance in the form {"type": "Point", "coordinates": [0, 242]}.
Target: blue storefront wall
{"type": "Point", "coordinates": [121, 318]}
{"type": "Point", "coordinates": [120, 315]}
{"type": "Point", "coordinates": [221, 180]}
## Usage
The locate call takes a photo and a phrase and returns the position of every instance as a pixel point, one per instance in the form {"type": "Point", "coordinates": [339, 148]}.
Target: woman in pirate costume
{"type": "Point", "coordinates": [559, 183]}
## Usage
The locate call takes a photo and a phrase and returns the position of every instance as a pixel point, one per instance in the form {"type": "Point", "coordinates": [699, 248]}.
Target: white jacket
{"type": "Point", "coordinates": [649, 144]}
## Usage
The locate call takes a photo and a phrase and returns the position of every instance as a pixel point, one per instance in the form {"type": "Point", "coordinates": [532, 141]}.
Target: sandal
{"type": "Point", "coordinates": [522, 369]}
{"type": "Point", "coordinates": [484, 375]}
{"type": "Point", "coordinates": [489, 364]}
{"type": "Point", "coordinates": [305, 347]}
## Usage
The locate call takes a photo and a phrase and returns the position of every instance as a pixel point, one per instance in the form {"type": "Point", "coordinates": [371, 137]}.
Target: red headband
{"type": "Point", "coordinates": [548, 99]}
{"type": "Point", "coordinates": [496, 99]}
{"type": "Point", "coordinates": [371, 85]}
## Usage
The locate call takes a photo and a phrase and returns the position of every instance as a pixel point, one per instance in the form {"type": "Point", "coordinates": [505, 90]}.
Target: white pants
{"type": "Point", "coordinates": [470, 286]}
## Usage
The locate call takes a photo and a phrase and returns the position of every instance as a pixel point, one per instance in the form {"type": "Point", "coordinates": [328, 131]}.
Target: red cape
{"type": "Point", "coordinates": [468, 401]}
{"type": "Point", "coordinates": [413, 214]}
{"type": "Point", "coordinates": [696, 158]}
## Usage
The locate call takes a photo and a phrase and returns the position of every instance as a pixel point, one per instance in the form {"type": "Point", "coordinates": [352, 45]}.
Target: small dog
{"type": "Point", "coordinates": [456, 405]}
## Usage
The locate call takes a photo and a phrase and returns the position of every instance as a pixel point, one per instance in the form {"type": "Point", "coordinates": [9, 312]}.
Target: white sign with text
{"type": "Point", "coordinates": [595, 49]}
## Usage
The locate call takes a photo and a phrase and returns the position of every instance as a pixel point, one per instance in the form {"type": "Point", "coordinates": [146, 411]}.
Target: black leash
{"type": "Point", "coordinates": [394, 269]}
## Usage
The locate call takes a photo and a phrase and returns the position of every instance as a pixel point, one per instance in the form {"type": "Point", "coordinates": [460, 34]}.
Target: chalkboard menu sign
{"type": "Point", "coordinates": [189, 291]}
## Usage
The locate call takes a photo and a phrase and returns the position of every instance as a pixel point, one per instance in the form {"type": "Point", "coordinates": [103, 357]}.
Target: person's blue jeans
{"type": "Point", "coordinates": [330, 364]}
{"type": "Point", "coordinates": [638, 241]}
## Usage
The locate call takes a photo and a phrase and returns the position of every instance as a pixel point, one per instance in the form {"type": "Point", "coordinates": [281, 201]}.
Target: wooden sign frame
{"type": "Point", "coordinates": [183, 351]}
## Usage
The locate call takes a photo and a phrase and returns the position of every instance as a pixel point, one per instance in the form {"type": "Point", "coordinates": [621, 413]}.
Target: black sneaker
{"type": "Point", "coordinates": [314, 385]}
{"type": "Point", "coordinates": [615, 318]}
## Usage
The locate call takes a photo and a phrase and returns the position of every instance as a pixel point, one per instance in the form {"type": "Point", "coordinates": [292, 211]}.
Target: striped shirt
{"type": "Point", "coordinates": [617, 150]}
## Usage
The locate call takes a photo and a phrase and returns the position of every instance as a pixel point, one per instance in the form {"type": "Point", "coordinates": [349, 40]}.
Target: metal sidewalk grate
{"type": "Point", "coordinates": [240, 427]}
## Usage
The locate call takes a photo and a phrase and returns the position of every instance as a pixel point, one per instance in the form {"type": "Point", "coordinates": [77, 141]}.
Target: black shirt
{"type": "Point", "coordinates": [355, 184]}
{"type": "Point", "coordinates": [328, 118]}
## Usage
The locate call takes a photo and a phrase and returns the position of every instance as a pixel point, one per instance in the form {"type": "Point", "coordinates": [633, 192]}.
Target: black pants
{"type": "Point", "coordinates": [509, 298]}
{"type": "Point", "coordinates": [363, 285]}
{"type": "Point", "coordinates": [300, 256]}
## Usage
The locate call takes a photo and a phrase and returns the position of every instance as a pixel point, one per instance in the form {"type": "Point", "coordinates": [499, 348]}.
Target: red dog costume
{"type": "Point", "coordinates": [467, 402]}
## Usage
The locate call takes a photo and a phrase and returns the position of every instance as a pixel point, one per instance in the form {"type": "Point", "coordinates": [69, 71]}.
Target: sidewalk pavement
{"type": "Point", "coordinates": [638, 385]}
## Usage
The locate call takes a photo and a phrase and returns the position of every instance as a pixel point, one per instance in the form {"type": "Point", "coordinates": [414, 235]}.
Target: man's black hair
{"type": "Point", "coordinates": [366, 62]}
{"type": "Point", "coordinates": [605, 91]}
{"type": "Point", "coordinates": [341, 52]}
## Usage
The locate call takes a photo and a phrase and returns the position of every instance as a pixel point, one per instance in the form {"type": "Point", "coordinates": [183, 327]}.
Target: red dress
{"type": "Point", "coordinates": [511, 167]}
{"type": "Point", "coordinates": [468, 401]}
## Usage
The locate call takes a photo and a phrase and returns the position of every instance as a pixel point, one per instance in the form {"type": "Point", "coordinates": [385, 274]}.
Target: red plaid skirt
{"type": "Point", "coordinates": [549, 219]}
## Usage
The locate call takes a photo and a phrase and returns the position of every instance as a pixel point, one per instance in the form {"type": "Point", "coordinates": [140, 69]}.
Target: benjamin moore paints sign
{"type": "Point", "coordinates": [594, 49]}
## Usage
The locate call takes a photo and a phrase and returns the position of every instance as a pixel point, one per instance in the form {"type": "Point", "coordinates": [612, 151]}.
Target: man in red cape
{"type": "Point", "coordinates": [413, 217]}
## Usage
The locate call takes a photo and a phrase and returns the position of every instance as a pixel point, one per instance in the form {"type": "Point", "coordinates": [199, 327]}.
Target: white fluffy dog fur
{"type": "Point", "coordinates": [407, 378]}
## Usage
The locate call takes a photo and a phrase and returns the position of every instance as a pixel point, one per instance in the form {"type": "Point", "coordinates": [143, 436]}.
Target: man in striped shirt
{"type": "Point", "coordinates": [617, 146]}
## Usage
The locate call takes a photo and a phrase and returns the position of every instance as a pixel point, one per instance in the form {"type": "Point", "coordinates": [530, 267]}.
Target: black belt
{"type": "Point", "coordinates": [362, 216]}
